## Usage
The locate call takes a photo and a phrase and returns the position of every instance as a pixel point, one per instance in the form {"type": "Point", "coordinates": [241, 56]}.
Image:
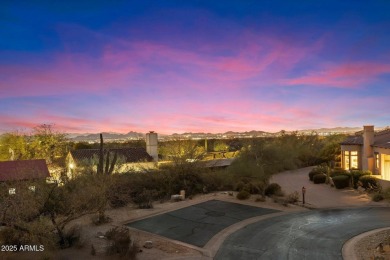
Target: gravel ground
{"type": "Point", "coordinates": [367, 247]}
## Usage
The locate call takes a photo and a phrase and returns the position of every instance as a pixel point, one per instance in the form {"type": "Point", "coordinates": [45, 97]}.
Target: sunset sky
{"type": "Point", "coordinates": [194, 66]}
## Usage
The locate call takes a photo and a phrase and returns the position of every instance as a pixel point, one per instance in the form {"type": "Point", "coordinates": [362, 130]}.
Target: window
{"type": "Point", "coordinates": [12, 191]}
{"type": "Point", "coordinates": [376, 160]}
{"type": "Point", "coordinates": [351, 160]}
{"type": "Point", "coordinates": [346, 160]}
{"type": "Point", "coordinates": [354, 160]}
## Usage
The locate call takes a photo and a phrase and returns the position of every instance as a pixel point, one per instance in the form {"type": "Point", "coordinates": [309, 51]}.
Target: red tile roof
{"type": "Point", "coordinates": [23, 170]}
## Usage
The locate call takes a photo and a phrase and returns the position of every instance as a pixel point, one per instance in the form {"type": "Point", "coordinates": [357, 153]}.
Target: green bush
{"type": "Point", "coordinates": [243, 195]}
{"type": "Point", "coordinates": [317, 170]}
{"type": "Point", "coordinates": [341, 181]}
{"type": "Point", "coordinates": [273, 189]}
{"type": "Point", "coordinates": [319, 178]}
{"type": "Point", "coordinates": [356, 174]}
{"type": "Point", "coordinates": [338, 172]}
{"type": "Point", "coordinates": [311, 174]}
{"type": "Point", "coordinates": [377, 197]}
{"type": "Point", "coordinates": [368, 182]}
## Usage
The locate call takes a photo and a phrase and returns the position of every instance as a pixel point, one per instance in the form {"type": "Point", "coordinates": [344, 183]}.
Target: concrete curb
{"type": "Point", "coordinates": [348, 250]}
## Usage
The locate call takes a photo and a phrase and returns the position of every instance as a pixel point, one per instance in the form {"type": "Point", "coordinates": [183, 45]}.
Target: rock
{"type": "Point", "coordinates": [379, 248]}
{"type": "Point", "coordinates": [148, 244]}
{"type": "Point", "coordinates": [176, 197]}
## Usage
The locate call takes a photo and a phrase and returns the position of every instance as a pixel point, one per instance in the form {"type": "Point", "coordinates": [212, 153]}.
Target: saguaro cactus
{"type": "Point", "coordinates": [108, 168]}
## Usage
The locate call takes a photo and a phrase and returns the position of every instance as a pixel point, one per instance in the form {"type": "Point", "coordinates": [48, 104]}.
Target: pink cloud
{"type": "Point", "coordinates": [351, 75]}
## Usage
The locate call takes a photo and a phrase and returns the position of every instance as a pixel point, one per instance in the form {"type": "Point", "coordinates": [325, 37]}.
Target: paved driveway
{"type": "Point", "coordinates": [318, 234]}
{"type": "Point", "coordinates": [321, 195]}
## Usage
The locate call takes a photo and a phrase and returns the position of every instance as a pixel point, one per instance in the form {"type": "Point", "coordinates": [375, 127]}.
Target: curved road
{"type": "Point", "coordinates": [318, 234]}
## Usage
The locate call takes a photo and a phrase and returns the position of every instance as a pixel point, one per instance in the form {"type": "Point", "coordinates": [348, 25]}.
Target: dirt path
{"type": "Point", "coordinates": [321, 195]}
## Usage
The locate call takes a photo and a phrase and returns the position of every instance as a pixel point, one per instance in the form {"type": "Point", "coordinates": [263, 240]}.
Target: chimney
{"type": "Point", "coordinates": [151, 145]}
{"type": "Point", "coordinates": [368, 154]}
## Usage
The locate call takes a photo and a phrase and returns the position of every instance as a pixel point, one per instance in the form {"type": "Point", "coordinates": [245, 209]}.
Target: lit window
{"type": "Point", "coordinates": [12, 191]}
{"type": "Point", "coordinates": [354, 160]}
{"type": "Point", "coordinates": [346, 160]}
{"type": "Point", "coordinates": [32, 188]}
{"type": "Point", "coordinates": [376, 160]}
{"type": "Point", "coordinates": [351, 160]}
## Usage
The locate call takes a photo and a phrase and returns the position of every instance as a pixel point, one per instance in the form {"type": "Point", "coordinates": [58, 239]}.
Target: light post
{"type": "Point", "coordinates": [303, 195]}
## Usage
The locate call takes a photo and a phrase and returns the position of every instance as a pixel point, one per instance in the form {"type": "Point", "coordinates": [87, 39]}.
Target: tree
{"type": "Point", "coordinates": [185, 157]}
{"type": "Point", "coordinates": [47, 144]}
{"type": "Point", "coordinates": [13, 146]}
{"type": "Point", "coordinates": [220, 146]}
{"type": "Point", "coordinates": [31, 215]}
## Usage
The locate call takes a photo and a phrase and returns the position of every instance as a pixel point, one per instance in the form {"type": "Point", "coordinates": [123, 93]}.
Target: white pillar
{"type": "Point", "coordinates": [151, 145]}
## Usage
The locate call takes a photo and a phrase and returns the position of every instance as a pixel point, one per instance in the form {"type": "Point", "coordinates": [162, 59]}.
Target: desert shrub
{"type": "Point", "coordinates": [356, 174]}
{"type": "Point", "coordinates": [386, 193]}
{"type": "Point", "coordinates": [121, 243]}
{"type": "Point", "coordinates": [260, 199]}
{"type": "Point", "coordinates": [273, 189]}
{"type": "Point", "coordinates": [100, 219]}
{"type": "Point", "coordinates": [144, 200]}
{"type": "Point", "coordinates": [368, 182]}
{"type": "Point", "coordinates": [216, 180]}
{"type": "Point", "coordinates": [72, 236]}
{"type": "Point", "coordinates": [93, 250]}
{"type": "Point", "coordinates": [319, 178]}
{"type": "Point", "coordinates": [280, 200]}
{"type": "Point", "coordinates": [317, 170]}
{"type": "Point", "coordinates": [239, 186]}
{"type": "Point", "coordinates": [377, 197]}
{"type": "Point", "coordinates": [243, 195]}
{"type": "Point", "coordinates": [293, 197]}
{"type": "Point", "coordinates": [341, 181]}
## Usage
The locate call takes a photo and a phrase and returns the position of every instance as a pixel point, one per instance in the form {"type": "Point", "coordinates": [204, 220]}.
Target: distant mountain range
{"type": "Point", "coordinates": [106, 136]}
{"type": "Point", "coordinates": [253, 133]}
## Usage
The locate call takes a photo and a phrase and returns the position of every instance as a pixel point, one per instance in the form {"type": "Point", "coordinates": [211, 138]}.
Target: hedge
{"type": "Point", "coordinates": [338, 172]}
{"type": "Point", "coordinates": [319, 178]}
{"type": "Point", "coordinates": [356, 174]}
{"type": "Point", "coordinates": [368, 182]}
{"type": "Point", "coordinates": [316, 170]}
{"type": "Point", "coordinates": [341, 181]}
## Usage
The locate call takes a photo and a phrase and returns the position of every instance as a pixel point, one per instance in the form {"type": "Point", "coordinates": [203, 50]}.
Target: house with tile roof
{"type": "Point", "coordinates": [129, 159]}
{"type": "Point", "coordinates": [23, 171]}
{"type": "Point", "coordinates": [367, 150]}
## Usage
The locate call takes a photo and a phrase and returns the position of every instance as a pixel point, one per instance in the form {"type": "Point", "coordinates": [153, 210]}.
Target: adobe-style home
{"type": "Point", "coordinates": [133, 158]}
{"type": "Point", "coordinates": [367, 150]}
{"type": "Point", "coordinates": [23, 170]}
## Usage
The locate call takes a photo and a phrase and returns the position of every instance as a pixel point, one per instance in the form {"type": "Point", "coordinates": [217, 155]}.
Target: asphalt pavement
{"type": "Point", "coordinates": [318, 234]}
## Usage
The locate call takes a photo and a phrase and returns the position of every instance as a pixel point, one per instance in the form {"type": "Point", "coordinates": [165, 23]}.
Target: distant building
{"type": "Point", "coordinates": [23, 170]}
{"type": "Point", "coordinates": [367, 150]}
{"type": "Point", "coordinates": [129, 159]}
